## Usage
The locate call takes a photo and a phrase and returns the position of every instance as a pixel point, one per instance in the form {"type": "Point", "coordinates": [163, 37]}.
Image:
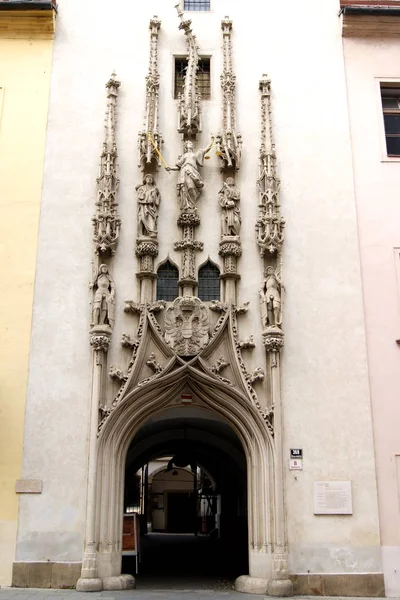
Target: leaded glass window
{"type": "Point", "coordinates": [203, 77]}
{"type": "Point", "coordinates": [167, 282]}
{"type": "Point", "coordinates": [196, 5]}
{"type": "Point", "coordinates": [209, 283]}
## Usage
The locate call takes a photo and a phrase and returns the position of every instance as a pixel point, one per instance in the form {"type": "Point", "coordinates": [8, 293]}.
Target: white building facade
{"type": "Point", "coordinates": [224, 293]}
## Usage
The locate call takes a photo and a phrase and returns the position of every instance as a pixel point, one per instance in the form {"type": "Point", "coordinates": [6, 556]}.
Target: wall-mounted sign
{"type": "Point", "coordinates": [332, 498]}
{"type": "Point", "coordinates": [296, 459]}
{"type": "Point", "coordinates": [296, 453]}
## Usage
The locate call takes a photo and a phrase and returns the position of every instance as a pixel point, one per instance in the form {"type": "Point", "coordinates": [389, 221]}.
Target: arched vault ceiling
{"type": "Point", "coordinates": [212, 441]}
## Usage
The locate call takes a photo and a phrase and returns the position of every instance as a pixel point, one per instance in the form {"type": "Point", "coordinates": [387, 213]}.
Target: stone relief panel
{"type": "Point", "coordinates": [187, 326]}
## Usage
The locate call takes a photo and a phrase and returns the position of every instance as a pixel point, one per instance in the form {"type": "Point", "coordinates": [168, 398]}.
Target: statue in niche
{"type": "Point", "coordinates": [104, 298]}
{"type": "Point", "coordinates": [229, 198]}
{"type": "Point", "coordinates": [270, 299]}
{"type": "Point", "coordinates": [189, 180]}
{"type": "Point", "coordinates": [148, 203]}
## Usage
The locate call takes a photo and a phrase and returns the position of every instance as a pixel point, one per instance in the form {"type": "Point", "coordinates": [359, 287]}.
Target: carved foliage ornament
{"type": "Point", "coordinates": [187, 326]}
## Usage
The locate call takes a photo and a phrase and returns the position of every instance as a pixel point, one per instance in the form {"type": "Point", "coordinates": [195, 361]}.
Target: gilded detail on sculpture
{"type": "Point", "coordinates": [150, 139]}
{"type": "Point", "coordinates": [187, 326]}
{"type": "Point", "coordinates": [189, 183]}
{"type": "Point", "coordinates": [228, 142]}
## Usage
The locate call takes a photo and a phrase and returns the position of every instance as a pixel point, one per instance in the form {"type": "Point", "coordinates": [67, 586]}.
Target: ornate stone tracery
{"type": "Point", "coordinates": [106, 222]}
{"type": "Point", "coordinates": [189, 101]}
{"type": "Point", "coordinates": [150, 139]}
{"type": "Point", "coordinates": [228, 142]}
{"type": "Point", "coordinates": [270, 225]}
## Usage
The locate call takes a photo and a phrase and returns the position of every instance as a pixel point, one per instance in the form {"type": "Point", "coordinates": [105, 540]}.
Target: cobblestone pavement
{"type": "Point", "coordinates": [149, 594]}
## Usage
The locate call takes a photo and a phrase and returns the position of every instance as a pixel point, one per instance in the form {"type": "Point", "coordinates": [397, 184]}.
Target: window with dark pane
{"type": "Point", "coordinates": [209, 285]}
{"type": "Point", "coordinates": [167, 282]}
{"type": "Point", "coordinates": [391, 117]}
{"type": "Point", "coordinates": [203, 77]}
{"type": "Point", "coordinates": [196, 5]}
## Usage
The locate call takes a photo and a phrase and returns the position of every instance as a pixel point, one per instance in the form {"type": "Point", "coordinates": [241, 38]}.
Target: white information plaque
{"type": "Point", "coordinates": [332, 498]}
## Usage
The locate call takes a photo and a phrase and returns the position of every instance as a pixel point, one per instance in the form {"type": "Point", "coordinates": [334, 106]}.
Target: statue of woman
{"type": "Point", "coordinates": [229, 198]}
{"type": "Point", "coordinates": [147, 210]}
{"type": "Point", "coordinates": [189, 180]}
{"type": "Point", "coordinates": [104, 298]}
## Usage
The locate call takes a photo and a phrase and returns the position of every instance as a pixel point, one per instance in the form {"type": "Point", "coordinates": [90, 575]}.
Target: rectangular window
{"type": "Point", "coordinates": [203, 77]}
{"type": "Point", "coordinates": [391, 116]}
{"type": "Point", "coordinates": [196, 5]}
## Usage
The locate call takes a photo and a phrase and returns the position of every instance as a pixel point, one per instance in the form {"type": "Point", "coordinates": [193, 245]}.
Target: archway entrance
{"type": "Point", "coordinates": [186, 478]}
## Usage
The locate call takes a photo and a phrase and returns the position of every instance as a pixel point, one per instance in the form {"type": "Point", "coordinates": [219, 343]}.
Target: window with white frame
{"type": "Point", "coordinates": [390, 96]}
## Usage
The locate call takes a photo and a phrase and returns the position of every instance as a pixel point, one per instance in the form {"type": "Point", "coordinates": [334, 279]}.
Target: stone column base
{"type": "Point", "coordinates": [280, 587]}
{"type": "Point", "coordinates": [251, 585]}
{"type": "Point", "coordinates": [93, 584]}
{"type": "Point", "coordinates": [119, 582]}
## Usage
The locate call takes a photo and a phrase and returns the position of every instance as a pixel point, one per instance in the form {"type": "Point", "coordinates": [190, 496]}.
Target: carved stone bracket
{"type": "Point", "coordinates": [269, 225]}
{"type": "Point", "coordinates": [189, 101]}
{"type": "Point", "coordinates": [150, 138]}
{"type": "Point", "coordinates": [100, 338]}
{"type": "Point", "coordinates": [106, 222]}
{"type": "Point", "coordinates": [228, 142]}
{"type": "Point", "coordinates": [273, 340]}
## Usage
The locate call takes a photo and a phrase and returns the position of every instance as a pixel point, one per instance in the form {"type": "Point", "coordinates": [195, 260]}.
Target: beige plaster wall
{"type": "Point", "coordinates": [25, 66]}
{"type": "Point", "coordinates": [377, 178]}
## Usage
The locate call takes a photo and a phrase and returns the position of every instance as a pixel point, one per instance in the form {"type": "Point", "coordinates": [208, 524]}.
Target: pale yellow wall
{"type": "Point", "coordinates": [25, 67]}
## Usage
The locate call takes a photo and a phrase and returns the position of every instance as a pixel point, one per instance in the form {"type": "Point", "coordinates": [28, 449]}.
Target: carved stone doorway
{"type": "Point", "coordinates": [200, 491]}
{"type": "Point", "coordinates": [188, 386]}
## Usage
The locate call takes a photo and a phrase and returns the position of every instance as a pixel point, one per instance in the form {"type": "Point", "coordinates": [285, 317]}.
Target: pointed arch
{"type": "Point", "coordinates": [209, 287]}
{"type": "Point", "coordinates": [233, 407]}
{"type": "Point", "coordinates": [167, 281]}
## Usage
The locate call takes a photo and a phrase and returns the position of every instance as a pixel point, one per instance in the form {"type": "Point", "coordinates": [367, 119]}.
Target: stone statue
{"type": "Point", "coordinates": [270, 299]}
{"type": "Point", "coordinates": [103, 298]}
{"type": "Point", "coordinates": [229, 198]}
{"type": "Point", "coordinates": [147, 210]}
{"type": "Point", "coordinates": [189, 180]}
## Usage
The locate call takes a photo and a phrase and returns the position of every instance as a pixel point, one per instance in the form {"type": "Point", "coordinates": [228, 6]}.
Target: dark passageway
{"type": "Point", "coordinates": [201, 450]}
